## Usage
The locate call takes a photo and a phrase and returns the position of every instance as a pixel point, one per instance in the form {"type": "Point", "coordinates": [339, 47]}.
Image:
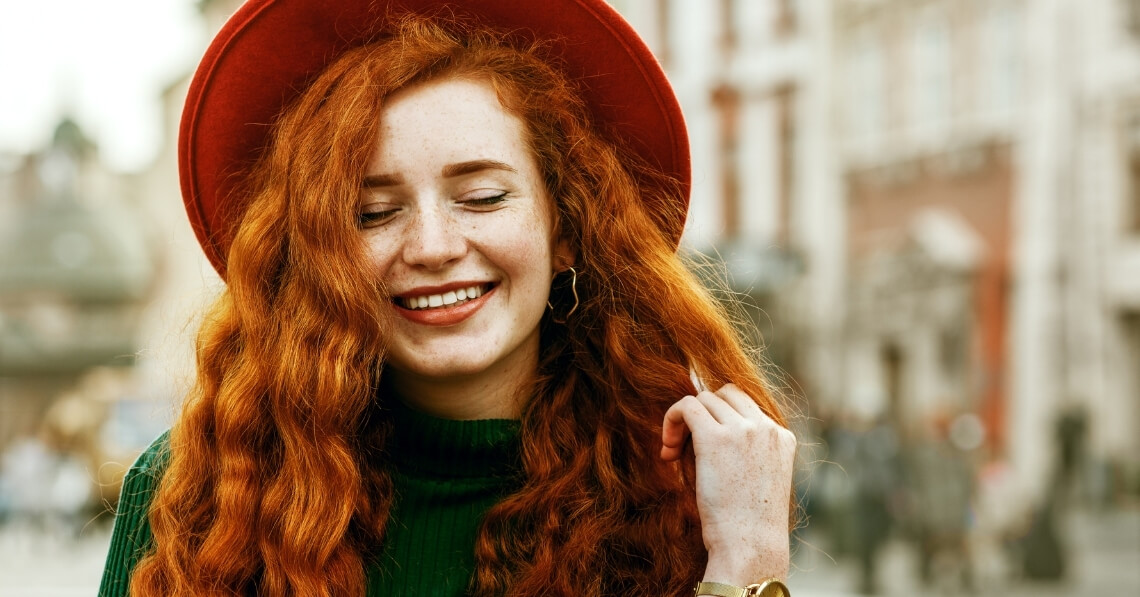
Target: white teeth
{"type": "Point", "coordinates": [450, 297]}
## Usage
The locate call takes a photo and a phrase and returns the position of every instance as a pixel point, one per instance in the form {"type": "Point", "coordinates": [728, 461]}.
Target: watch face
{"type": "Point", "coordinates": [774, 588]}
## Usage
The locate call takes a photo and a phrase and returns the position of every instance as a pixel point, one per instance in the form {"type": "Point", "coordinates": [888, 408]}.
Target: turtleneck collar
{"type": "Point", "coordinates": [424, 445]}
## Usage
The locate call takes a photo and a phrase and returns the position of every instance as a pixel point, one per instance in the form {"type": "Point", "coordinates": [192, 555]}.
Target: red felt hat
{"type": "Point", "coordinates": [270, 50]}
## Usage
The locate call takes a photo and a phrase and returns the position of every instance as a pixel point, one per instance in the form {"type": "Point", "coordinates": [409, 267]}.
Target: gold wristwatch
{"type": "Point", "coordinates": [771, 587]}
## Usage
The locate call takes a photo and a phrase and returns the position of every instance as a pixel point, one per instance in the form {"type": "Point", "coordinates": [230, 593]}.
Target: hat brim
{"type": "Point", "coordinates": [270, 50]}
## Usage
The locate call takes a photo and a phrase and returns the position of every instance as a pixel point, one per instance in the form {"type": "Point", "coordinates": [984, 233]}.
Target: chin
{"type": "Point", "coordinates": [440, 368]}
{"type": "Point", "coordinates": [446, 371]}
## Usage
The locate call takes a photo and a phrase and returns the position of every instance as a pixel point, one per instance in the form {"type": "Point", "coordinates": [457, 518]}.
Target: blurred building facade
{"type": "Point", "coordinates": [101, 281]}
{"type": "Point", "coordinates": [75, 272]}
{"type": "Point", "coordinates": [937, 201]}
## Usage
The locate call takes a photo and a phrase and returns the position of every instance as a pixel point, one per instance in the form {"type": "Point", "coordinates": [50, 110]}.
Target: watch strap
{"type": "Point", "coordinates": [771, 587]}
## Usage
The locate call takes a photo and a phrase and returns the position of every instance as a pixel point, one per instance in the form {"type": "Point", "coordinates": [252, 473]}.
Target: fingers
{"type": "Point", "coordinates": [712, 411]}
{"type": "Point", "coordinates": [723, 411]}
{"type": "Point", "coordinates": [741, 402]}
{"type": "Point", "coordinates": [678, 420]}
{"type": "Point", "coordinates": [730, 405]}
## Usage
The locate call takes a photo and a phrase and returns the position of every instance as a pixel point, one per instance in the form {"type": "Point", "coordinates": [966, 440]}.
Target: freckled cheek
{"type": "Point", "coordinates": [379, 259]}
{"type": "Point", "coordinates": [521, 247]}
{"type": "Point", "coordinates": [526, 243]}
{"type": "Point", "coordinates": [525, 238]}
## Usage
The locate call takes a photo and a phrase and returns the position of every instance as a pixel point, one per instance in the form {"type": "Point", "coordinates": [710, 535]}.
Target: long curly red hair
{"type": "Point", "coordinates": [276, 483]}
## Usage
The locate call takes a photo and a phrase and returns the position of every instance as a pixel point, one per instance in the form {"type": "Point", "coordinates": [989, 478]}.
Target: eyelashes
{"type": "Point", "coordinates": [370, 219]}
{"type": "Point", "coordinates": [486, 201]}
{"type": "Point", "coordinates": [377, 217]}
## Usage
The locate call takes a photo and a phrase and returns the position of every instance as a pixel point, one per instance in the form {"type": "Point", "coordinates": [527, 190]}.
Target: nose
{"type": "Point", "coordinates": [434, 240]}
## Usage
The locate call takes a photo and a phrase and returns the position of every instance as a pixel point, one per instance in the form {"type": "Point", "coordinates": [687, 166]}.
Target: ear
{"type": "Point", "coordinates": [564, 255]}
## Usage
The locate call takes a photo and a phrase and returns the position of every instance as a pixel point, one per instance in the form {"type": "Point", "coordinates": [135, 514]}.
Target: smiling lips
{"type": "Point", "coordinates": [443, 307]}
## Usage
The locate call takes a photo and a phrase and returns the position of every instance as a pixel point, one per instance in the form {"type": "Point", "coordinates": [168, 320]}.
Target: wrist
{"type": "Point", "coordinates": [743, 566]}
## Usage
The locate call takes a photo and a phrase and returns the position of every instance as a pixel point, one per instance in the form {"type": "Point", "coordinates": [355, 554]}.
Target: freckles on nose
{"type": "Point", "coordinates": [434, 227]}
{"type": "Point", "coordinates": [434, 238]}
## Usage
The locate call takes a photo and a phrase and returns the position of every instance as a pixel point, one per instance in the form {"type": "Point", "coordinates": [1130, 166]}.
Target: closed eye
{"type": "Point", "coordinates": [485, 201]}
{"type": "Point", "coordinates": [370, 219]}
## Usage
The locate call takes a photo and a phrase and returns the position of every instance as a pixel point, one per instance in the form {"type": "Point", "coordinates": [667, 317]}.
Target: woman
{"type": "Point", "coordinates": [456, 352]}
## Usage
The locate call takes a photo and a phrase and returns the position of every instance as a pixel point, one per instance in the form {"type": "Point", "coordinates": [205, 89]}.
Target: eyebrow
{"type": "Point", "coordinates": [373, 181]}
{"type": "Point", "coordinates": [452, 170]}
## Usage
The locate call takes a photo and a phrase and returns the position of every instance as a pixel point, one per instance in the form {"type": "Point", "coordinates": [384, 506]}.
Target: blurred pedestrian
{"type": "Point", "coordinates": [876, 477]}
{"type": "Point", "coordinates": [1070, 431]}
{"type": "Point", "coordinates": [941, 483]}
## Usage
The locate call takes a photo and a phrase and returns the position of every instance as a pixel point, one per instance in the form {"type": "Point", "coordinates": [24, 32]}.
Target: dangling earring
{"type": "Point", "coordinates": [573, 289]}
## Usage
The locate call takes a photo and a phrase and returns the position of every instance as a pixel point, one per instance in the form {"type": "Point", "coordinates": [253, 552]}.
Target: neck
{"type": "Point", "coordinates": [500, 393]}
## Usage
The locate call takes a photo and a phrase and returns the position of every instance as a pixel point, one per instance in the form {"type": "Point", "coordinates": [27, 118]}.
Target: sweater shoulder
{"type": "Point", "coordinates": [131, 537]}
{"type": "Point", "coordinates": [151, 463]}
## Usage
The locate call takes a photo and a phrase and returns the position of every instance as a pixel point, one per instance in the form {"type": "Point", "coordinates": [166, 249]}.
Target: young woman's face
{"type": "Point", "coordinates": [459, 226]}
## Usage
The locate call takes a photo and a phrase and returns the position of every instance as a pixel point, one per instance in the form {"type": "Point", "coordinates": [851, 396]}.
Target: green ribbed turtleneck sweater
{"type": "Point", "coordinates": [446, 475]}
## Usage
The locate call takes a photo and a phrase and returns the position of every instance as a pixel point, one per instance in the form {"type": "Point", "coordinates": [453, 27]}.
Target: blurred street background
{"type": "Point", "coordinates": [929, 211]}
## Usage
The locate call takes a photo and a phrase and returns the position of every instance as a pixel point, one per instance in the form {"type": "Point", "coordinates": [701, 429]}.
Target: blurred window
{"type": "Point", "coordinates": [786, 121]}
{"type": "Point", "coordinates": [1000, 58]}
{"type": "Point", "coordinates": [726, 102]}
{"type": "Point", "coordinates": [1133, 207]}
{"type": "Point", "coordinates": [952, 352]}
{"type": "Point", "coordinates": [930, 80]}
{"type": "Point", "coordinates": [866, 86]}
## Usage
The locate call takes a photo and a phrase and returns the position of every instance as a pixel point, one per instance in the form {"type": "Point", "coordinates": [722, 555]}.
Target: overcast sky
{"type": "Point", "coordinates": [104, 62]}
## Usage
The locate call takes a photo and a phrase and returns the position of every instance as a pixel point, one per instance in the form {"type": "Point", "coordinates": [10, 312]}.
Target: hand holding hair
{"type": "Point", "coordinates": [744, 463]}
